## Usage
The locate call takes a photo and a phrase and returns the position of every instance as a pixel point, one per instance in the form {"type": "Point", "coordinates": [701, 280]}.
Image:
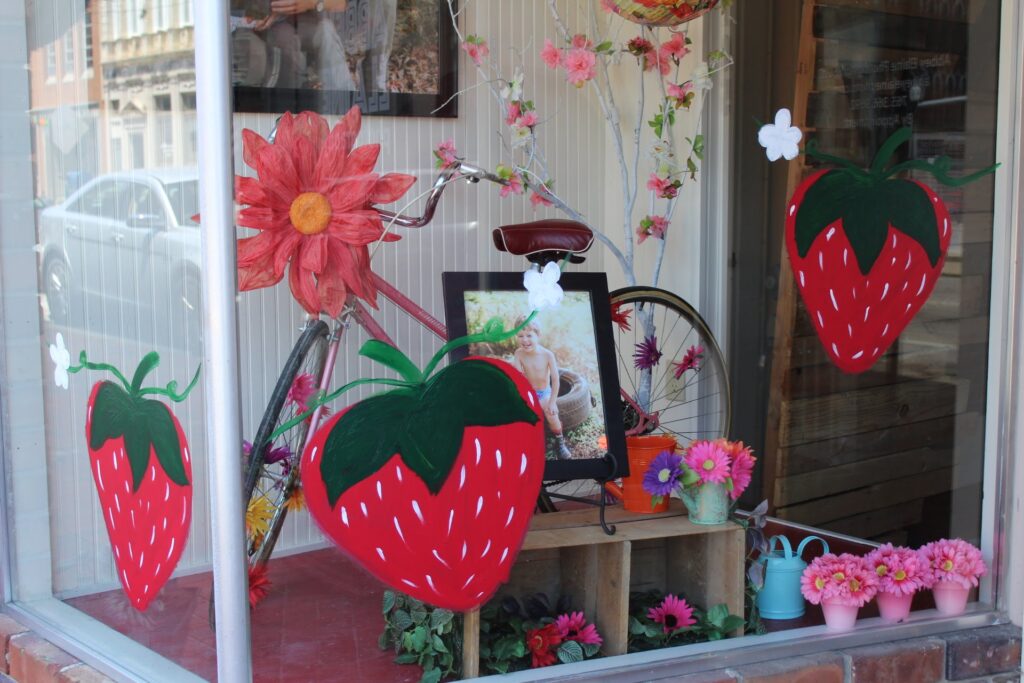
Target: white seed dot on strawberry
{"type": "Point", "coordinates": [312, 453]}
{"type": "Point", "coordinates": [821, 262]}
{"type": "Point", "coordinates": [165, 524]}
{"type": "Point", "coordinates": [99, 476]}
{"type": "Point", "coordinates": [362, 506]}
{"type": "Point", "coordinates": [398, 473]}
{"type": "Point", "coordinates": [117, 552]}
{"type": "Point", "coordinates": [803, 280]}
{"type": "Point", "coordinates": [440, 559]}
{"type": "Point", "coordinates": [398, 528]}
{"type": "Point", "coordinates": [170, 551]}
{"type": "Point", "coordinates": [117, 502]}
{"type": "Point", "coordinates": [156, 572]}
{"type": "Point", "coordinates": [113, 457]}
{"type": "Point", "coordinates": [184, 510]}
{"type": "Point", "coordinates": [476, 443]}
{"type": "Point", "coordinates": [835, 304]}
{"type": "Point", "coordinates": [885, 291]}
{"type": "Point", "coordinates": [849, 330]}
{"type": "Point", "coordinates": [487, 549]}
{"type": "Point", "coordinates": [511, 514]}
{"type": "Point", "coordinates": [924, 281]}
{"type": "Point", "coordinates": [152, 473]}
{"type": "Point", "coordinates": [835, 349]}
{"type": "Point", "coordinates": [858, 355]}
{"type": "Point", "coordinates": [185, 453]}
{"type": "Point", "coordinates": [792, 209]}
{"type": "Point", "coordinates": [468, 581]}
{"type": "Point", "coordinates": [831, 232]}
{"type": "Point", "coordinates": [152, 535]}
{"type": "Point", "coordinates": [497, 457]}
{"type": "Point", "coordinates": [451, 518]}
{"type": "Point", "coordinates": [110, 515]}
{"type": "Point", "coordinates": [409, 583]}
{"type": "Point", "coordinates": [419, 513]}
{"type": "Point", "coordinates": [846, 255]}
{"type": "Point", "coordinates": [465, 548]}
{"type": "Point", "coordinates": [885, 329]}
{"type": "Point", "coordinates": [479, 505]}
{"type": "Point", "coordinates": [381, 553]}
{"type": "Point", "coordinates": [821, 320]}
{"type": "Point", "coordinates": [462, 477]}
{"type": "Point", "coordinates": [504, 554]}
{"type": "Point", "coordinates": [142, 557]}
{"type": "Point", "coordinates": [344, 515]}
{"type": "Point", "coordinates": [522, 465]}
{"type": "Point", "coordinates": [380, 491]}
{"type": "Point", "coordinates": [167, 491]}
{"type": "Point", "coordinates": [867, 310]}
{"type": "Point", "coordinates": [430, 582]}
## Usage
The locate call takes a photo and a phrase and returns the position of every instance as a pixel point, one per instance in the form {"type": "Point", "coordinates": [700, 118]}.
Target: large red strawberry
{"type": "Point", "coordinates": [142, 470]}
{"type": "Point", "coordinates": [431, 487]}
{"type": "Point", "coordinates": [866, 250]}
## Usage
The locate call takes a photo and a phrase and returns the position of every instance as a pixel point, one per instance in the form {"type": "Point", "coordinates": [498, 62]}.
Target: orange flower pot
{"type": "Point", "coordinates": [641, 450]}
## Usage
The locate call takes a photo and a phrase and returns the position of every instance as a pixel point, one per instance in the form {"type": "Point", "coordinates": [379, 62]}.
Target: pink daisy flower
{"type": "Point", "coordinates": [445, 154]}
{"type": "Point", "coordinates": [580, 65]}
{"type": "Point", "coordinates": [303, 387]}
{"type": "Point", "coordinates": [550, 54]}
{"type": "Point", "coordinates": [900, 571]}
{"type": "Point", "coordinates": [743, 462]}
{"type": "Point", "coordinates": [647, 354]}
{"type": "Point", "coordinates": [673, 614]}
{"type": "Point", "coordinates": [691, 361]}
{"type": "Point", "coordinates": [574, 626]}
{"type": "Point", "coordinates": [709, 460]}
{"type": "Point", "coordinates": [953, 560]}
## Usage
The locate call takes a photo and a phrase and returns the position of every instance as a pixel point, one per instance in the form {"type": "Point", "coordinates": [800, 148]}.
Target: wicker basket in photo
{"type": "Point", "coordinates": [661, 12]}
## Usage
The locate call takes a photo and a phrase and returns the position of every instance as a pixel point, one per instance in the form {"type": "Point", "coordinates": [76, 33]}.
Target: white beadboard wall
{"type": "Point", "coordinates": [458, 239]}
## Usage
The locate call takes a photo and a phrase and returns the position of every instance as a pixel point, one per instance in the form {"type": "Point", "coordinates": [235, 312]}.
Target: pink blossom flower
{"type": "Point", "coordinates": [709, 460]}
{"type": "Point", "coordinates": [673, 614]}
{"type": "Point", "coordinates": [537, 199]}
{"type": "Point", "coordinates": [691, 361]}
{"type": "Point", "coordinates": [953, 560]}
{"type": "Point", "coordinates": [445, 154]}
{"type": "Point", "coordinates": [527, 120]}
{"type": "Point", "coordinates": [900, 571]}
{"type": "Point", "coordinates": [743, 462]}
{"type": "Point", "coordinates": [476, 48]}
{"type": "Point", "coordinates": [580, 41]}
{"type": "Point", "coordinates": [663, 187]}
{"type": "Point", "coordinates": [514, 185]}
{"type": "Point", "coordinates": [651, 226]}
{"type": "Point", "coordinates": [574, 626]}
{"type": "Point", "coordinates": [675, 48]}
{"type": "Point", "coordinates": [580, 65]}
{"type": "Point", "coordinates": [681, 90]}
{"type": "Point", "coordinates": [550, 54]}
{"type": "Point", "coordinates": [302, 388]}
{"type": "Point", "coordinates": [514, 112]}
{"type": "Point", "coordinates": [639, 46]}
{"type": "Point", "coordinates": [845, 579]}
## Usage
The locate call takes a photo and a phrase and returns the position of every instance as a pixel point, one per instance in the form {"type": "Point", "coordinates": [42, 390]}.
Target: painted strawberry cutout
{"type": "Point", "coordinates": [431, 486]}
{"type": "Point", "coordinates": [142, 470]}
{"type": "Point", "coordinates": [866, 250]}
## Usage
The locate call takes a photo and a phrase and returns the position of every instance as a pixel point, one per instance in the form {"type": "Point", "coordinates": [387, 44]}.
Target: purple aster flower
{"type": "Point", "coordinates": [647, 354]}
{"type": "Point", "coordinates": [278, 454]}
{"type": "Point", "coordinates": [662, 474]}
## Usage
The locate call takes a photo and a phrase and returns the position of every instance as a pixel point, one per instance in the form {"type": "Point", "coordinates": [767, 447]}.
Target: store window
{"type": "Point", "coordinates": [105, 249]}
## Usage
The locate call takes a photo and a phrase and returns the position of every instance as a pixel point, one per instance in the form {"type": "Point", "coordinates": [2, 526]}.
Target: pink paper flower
{"type": "Point", "coordinates": [514, 112]}
{"type": "Point", "coordinates": [743, 462]}
{"type": "Point", "coordinates": [639, 46]}
{"type": "Point", "coordinates": [574, 626]}
{"type": "Point", "coordinates": [651, 226]}
{"type": "Point", "coordinates": [900, 571]}
{"type": "Point", "coordinates": [302, 388]}
{"type": "Point", "coordinates": [673, 614]}
{"type": "Point", "coordinates": [675, 48]}
{"type": "Point", "coordinates": [580, 66]}
{"type": "Point", "coordinates": [550, 54]}
{"type": "Point", "coordinates": [476, 48]}
{"type": "Point", "coordinates": [680, 92]}
{"type": "Point", "coordinates": [527, 120]}
{"type": "Point", "coordinates": [953, 560]}
{"type": "Point", "coordinates": [580, 41]}
{"type": "Point", "coordinates": [537, 199]}
{"type": "Point", "coordinates": [691, 361]}
{"type": "Point", "coordinates": [445, 154]}
{"type": "Point", "coordinates": [845, 579]}
{"type": "Point", "coordinates": [710, 461]}
{"type": "Point", "coordinates": [514, 185]}
{"type": "Point", "coordinates": [647, 354]}
{"type": "Point", "coordinates": [663, 187]}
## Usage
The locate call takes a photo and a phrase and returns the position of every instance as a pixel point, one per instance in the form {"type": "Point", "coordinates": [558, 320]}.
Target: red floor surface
{"type": "Point", "coordinates": [320, 622]}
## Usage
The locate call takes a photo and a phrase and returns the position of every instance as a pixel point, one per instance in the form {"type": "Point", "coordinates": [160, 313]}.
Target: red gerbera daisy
{"type": "Point", "coordinates": [259, 584]}
{"type": "Point", "coordinates": [542, 643]}
{"type": "Point", "coordinates": [313, 203]}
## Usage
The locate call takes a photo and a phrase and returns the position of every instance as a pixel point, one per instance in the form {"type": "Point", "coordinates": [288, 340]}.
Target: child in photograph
{"type": "Point", "coordinates": [539, 366]}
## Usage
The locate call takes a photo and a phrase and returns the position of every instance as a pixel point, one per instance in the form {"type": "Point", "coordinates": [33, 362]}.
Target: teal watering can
{"type": "Point", "coordinates": [780, 597]}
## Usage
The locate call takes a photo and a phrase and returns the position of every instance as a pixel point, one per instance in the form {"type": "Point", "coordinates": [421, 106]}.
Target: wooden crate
{"type": "Point", "coordinates": [567, 553]}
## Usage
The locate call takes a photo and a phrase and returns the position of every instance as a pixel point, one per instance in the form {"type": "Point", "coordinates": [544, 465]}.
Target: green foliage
{"type": "Point", "coordinates": [644, 634]}
{"type": "Point", "coordinates": [420, 634]}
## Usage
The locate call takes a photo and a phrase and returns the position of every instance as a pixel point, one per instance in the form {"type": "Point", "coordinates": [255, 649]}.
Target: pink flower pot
{"type": "Point", "coordinates": [894, 608]}
{"type": "Point", "coordinates": [839, 617]}
{"type": "Point", "coordinates": [950, 598]}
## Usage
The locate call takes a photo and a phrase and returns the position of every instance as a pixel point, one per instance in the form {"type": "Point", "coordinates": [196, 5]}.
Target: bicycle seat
{"type": "Point", "coordinates": [545, 241]}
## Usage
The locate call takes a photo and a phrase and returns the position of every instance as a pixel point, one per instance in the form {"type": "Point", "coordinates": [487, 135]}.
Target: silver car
{"type": "Point", "coordinates": [124, 248]}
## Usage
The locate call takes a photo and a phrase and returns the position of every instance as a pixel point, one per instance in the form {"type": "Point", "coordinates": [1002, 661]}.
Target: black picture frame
{"type": "Point", "coordinates": [456, 285]}
{"type": "Point", "coordinates": [248, 50]}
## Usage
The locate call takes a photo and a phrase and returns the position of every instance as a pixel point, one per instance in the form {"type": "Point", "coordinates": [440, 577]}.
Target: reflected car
{"type": "Point", "coordinates": [125, 245]}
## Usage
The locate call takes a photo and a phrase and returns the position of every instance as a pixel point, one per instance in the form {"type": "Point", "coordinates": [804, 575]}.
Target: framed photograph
{"type": "Point", "coordinates": [566, 353]}
{"type": "Point", "coordinates": [389, 57]}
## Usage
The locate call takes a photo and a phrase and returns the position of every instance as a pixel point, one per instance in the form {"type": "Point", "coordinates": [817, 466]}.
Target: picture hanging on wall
{"type": "Point", "coordinates": [567, 353]}
{"type": "Point", "coordinates": [388, 57]}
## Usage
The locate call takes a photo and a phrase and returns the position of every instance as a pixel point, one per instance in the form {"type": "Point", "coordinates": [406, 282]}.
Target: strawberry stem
{"type": "Point", "coordinates": [85, 364]}
{"type": "Point", "coordinates": [888, 148]}
{"type": "Point", "coordinates": [493, 333]}
{"type": "Point", "coordinates": [172, 387]}
{"type": "Point", "coordinates": [146, 365]}
{"type": "Point", "coordinates": [134, 388]}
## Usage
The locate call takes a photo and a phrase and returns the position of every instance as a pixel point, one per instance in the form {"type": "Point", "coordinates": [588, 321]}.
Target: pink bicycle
{"type": "Point", "coordinates": [688, 398]}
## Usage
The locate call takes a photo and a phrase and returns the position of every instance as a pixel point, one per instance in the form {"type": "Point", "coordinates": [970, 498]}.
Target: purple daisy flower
{"type": "Point", "coordinates": [647, 354]}
{"type": "Point", "coordinates": [662, 474]}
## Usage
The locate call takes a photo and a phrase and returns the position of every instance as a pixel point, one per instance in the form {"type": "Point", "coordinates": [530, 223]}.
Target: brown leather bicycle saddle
{"type": "Point", "coordinates": [545, 240]}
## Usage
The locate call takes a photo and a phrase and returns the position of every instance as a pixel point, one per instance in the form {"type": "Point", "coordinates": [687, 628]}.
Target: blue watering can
{"type": "Point", "coordinates": [780, 597]}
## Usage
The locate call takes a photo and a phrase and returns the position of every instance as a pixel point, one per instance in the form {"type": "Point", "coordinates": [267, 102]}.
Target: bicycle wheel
{"type": "Point", "coordinates": [272, 469]}
{"type": "Point", "coordinates": [671, 370]}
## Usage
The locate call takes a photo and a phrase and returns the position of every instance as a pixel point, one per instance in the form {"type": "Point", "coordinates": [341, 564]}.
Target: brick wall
{"type": "Point", "coordinates": [27, 658]}
{"type": "Point", "coordinates": [989, 655]}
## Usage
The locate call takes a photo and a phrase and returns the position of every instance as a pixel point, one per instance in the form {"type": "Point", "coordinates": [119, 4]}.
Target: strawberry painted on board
{"type": "Point", "coordinates": [142, 469]}
{"type": "Point", "coordinates": [431, 486]}
{"type": "Point", "coordinates": [866, 249]}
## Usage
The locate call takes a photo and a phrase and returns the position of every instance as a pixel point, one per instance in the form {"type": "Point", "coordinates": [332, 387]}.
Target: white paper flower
{"type": "Point", "coordinates": [781, 138]}
{"type": "Point", "coordinates": [543, 286]}
{"type": "Point", "coordinates": [61, 358]}
{"type": "Point", "coordinates": [520, 136]}
{"type": "Point", "coordinates": [701, 77]}
{"type": "Point", "coordinates": [513, 90]}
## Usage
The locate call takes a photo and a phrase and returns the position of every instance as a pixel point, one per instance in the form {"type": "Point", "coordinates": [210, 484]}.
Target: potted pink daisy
{"type": "Point", "coordinates": [953, 567]}
{"type": "Point", "coordinates": [901, 572]}
{"type": "Point", "coordinates": [841, 584]}
{"type": "Point", "coordinates": [712, 475]}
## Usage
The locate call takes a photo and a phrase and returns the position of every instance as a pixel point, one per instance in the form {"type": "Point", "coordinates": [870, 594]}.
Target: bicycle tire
{"type": "Point", "coordinates": [309, 355]}
{"type": "Point", "coordinates": [712, 358]}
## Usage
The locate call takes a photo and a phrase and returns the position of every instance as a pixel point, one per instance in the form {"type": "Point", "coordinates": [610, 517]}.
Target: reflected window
{"type": "Point", "coordinates": [184, 199]}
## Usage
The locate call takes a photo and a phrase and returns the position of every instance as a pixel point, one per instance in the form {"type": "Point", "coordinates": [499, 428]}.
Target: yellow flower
{"type": "Point", "coordinates": [258, 516]}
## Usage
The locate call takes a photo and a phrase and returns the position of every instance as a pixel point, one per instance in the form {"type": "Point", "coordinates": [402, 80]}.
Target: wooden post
{"type": "Point", "coordinates": [612, 589]}
{"type": "Point", "coordinates": [471, 644]}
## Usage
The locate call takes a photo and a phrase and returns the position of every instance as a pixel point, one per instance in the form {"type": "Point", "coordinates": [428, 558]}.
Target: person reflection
{"type": "Point", "coordinates": [305, 34]}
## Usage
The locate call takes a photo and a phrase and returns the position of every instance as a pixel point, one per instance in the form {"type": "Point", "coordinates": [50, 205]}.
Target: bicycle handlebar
{"type": "Point", "coordinates": [461, 169]}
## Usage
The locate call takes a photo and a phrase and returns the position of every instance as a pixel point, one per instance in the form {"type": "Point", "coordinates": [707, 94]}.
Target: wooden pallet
{"type": "Point", "coordinates": [567, 553]}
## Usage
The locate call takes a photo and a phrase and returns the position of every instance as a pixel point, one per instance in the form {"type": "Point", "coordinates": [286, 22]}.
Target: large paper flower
{"type": "Point", "coordinates": [780, 139]}
{"type": "Point", "coordinates": [312, 201]}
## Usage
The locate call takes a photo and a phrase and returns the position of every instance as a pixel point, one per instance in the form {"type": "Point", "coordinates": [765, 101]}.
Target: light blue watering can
{"type": "Point", "coordinates": [780, 597]}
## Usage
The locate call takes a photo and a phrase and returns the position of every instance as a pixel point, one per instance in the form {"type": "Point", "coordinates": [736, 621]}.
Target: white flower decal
{"type": "Point", "coordinates": [701, 77]}
{"type": "Point", "coordinates": [543, 286]}
{"type": "Point", "coordinates": [781, 138]}
{"type": "Point", "coordinates": [513, 90]}
{"type": "Point", "coordinates": [61, 358]}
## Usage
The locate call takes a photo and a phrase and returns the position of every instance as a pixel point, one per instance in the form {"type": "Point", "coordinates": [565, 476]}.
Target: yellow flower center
{"type": "Point", "coordinates": [947, 566]}
{"type": "Point", "coordinates": [708, 465]}
{"type": "Point", "coordinates": [819, 583]}
{"type": "Point", "coordinates": [839, 577]}
{"type": "Point", "coordinates": [854, 585]}
{"type": "Point", "coordinates": [310, 213]}
{"type": "Point", "coordinates": [664, 475]}
{"type": "Point", "coordinates": [881, 570]}
{"type": "Point", "coordinates": [900, 575]}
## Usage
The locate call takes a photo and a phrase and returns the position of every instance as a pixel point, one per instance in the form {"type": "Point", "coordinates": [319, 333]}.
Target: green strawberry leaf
{"type": "Point", "coordinates": [868, 208]}
{"type": "Point", "coordinates": [144, 424]}
{"type": "Point", "coordinates": [389, 356]}
{"type": "Point", "coordinates": [425, 425]}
